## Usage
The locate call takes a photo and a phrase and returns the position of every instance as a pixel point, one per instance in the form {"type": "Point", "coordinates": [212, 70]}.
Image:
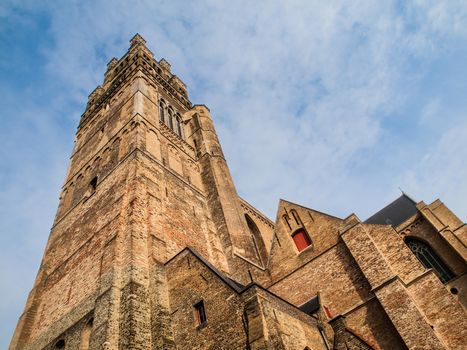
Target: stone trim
{"type": "Point", "coordinates": [249, 261]}
{"type": "Point", "coordinates": [255, 212]}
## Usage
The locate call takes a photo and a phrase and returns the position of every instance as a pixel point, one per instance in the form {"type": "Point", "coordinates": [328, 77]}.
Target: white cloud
{"type": "Point", "coordinates": [320, 78]}
{"type": "Point", "coordinates": [441, 171]}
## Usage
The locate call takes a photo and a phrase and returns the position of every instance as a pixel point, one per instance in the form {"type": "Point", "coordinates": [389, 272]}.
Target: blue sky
{"type": "Point", "coordinates": [330, 104]}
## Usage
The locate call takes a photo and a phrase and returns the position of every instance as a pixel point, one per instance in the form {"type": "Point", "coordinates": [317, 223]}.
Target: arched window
{"type": "Point", "coordinates": [179, 126]}
{"type": "Point", "coordinates": [286, 219]}
{"type": "Point", "coordinates": [257, 239]}
{"type": "Point", "coordinates": [301, 239]}
{"type": "Point", "coordinates": [162, 111]}
{"type": "Point", "coordinates": [295, 216]}
{"type": "Point", "coordinates": [171, 115]}
{"type": "Point", "coordinates": [200, 314]}
{"type": "Point", "coordinates": [93, 184]}
{"type": "Point", "coordinates": [429, 258]}
{"type": "Point", "coordinates": [86, 336]}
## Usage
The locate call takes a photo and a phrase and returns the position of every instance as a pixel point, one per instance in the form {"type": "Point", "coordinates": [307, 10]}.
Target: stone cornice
{"type": "Point", "coordinates": [255, 212]}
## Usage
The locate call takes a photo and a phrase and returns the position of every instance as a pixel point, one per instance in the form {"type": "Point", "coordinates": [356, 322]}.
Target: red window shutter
{"type": "Point", "coordinates": [301, 240]}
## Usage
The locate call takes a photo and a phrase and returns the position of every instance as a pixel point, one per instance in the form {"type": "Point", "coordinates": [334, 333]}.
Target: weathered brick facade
{"type": "Point", "coordinates": [152, 248]}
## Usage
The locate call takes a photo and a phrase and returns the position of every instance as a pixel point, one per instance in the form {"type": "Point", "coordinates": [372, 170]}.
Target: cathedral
{"type": "Point", "coordinates": [152, 248]}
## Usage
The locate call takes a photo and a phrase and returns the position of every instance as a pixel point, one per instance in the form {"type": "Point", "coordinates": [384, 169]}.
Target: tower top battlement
{"type": "Point", "coordinates": [137, 58]}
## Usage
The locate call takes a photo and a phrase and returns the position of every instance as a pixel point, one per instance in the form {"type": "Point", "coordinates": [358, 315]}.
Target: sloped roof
{"type": "Point", "coordinates": [311, 306]}
{"type": "Point", "coordinates": [395, 212]}
{"type": "Point", "coordinates": [306, 208]}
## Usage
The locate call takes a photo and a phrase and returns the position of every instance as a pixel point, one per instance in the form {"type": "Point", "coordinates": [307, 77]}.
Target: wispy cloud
{"type": "Point", "coordinates": [331, 104]}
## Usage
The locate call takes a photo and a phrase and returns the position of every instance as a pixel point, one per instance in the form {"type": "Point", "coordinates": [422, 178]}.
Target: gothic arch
{"type": "Point", "coordinates": [175, 162]}
{"type": "Point", "coordinates": [171, 118]}
{"type": "Point", "coordinates": [257, 239]}
{"type": "Point", "coordinates": [286, 220]}
{"type": "Point", "coordinates": [429, 259]}
{"type": "Point", "coordinates": [179, 125]}
{"type": "Point", "coordinates": [153, 145]}
{"type": "Point", "coordinates": [295, 216]}
{"type": "Point", "coordinates": [162, 110]}
{"type": "Point", "coordinates": [86, 335]}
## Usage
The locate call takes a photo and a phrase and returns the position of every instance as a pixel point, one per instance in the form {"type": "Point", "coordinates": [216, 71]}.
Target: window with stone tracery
{"type": "Point", "coordinates": [429, 258]}
{"type": "Point", "coordinates": [171, 116]}
{"type": "Point", "coordinates": [162, 111]}
{"type": "Point", "coordinates": [179, 126]}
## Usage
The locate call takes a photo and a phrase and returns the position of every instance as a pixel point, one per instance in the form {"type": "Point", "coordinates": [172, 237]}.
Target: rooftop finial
{"type": "Point", "coordinates": [137, 39]}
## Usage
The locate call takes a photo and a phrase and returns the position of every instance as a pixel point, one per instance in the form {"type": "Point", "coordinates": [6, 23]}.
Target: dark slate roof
{"type": "Point", "coordinates": [394, 213]}
{"type": "Point", "coordinates": [311, 306]}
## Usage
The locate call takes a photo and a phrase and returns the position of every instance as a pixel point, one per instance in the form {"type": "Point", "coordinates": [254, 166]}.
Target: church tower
{"type": "Point", "coordinates": [147, 178]}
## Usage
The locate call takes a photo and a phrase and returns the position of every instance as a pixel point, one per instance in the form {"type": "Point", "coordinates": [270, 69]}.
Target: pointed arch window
{"type": "Point", "coordinates": [162, 111]}
{"type": "Point", "coordinates": [286, 219]}
{"type": "Point", "coordinates": [93, 184]}
{"type": "Point", "coordinates": [179, 126]}
{"type": "Point", "coordinates": [200, 314]}
{"type": "Point", "coordinates": [171, 116]}
{"type": "Point", "coordinates": [257, 239]}
{"type": "Point", "coordinates": [295, 216]}
{"type": "Point", "coordinates": [429, 258]}
{"type": "Point", "coordinates": [86, 336]}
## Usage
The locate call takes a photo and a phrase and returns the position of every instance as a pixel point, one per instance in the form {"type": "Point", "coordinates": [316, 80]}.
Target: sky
{"type": "Point", "coordinates": [331, 104]}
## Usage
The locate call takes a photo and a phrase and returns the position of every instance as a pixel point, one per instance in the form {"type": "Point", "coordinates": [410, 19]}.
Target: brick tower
{"type": "Point", "coordinates": [152, 248]}
{"type": "Point", "coordinates": [146, 179]}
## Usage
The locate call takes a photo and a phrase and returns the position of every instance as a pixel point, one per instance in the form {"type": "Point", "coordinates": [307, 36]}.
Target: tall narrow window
{"type": "Point", "coordinates": [171, 122]}
{"type": "Point", "coordinates": [286, 219]}
{"type": "Point", "coordinates": [162, 111]}
{"type": "Point", "coordinates": [179, 126]}
{"type": "Point", "coordinates": [93, 185]}
{"type": "Point", "coordinates": [295, 216]}
{"type": "Point", "coordinates": [301, 239]}
{"type": "Point", "coordinates": [257, 239]}
{"type": "Point", "coordinates": [86, 336]}
{"type": "Point", "coordinates": [430, 259]}
{"type": "Point", "coordinates": [200, 314]}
